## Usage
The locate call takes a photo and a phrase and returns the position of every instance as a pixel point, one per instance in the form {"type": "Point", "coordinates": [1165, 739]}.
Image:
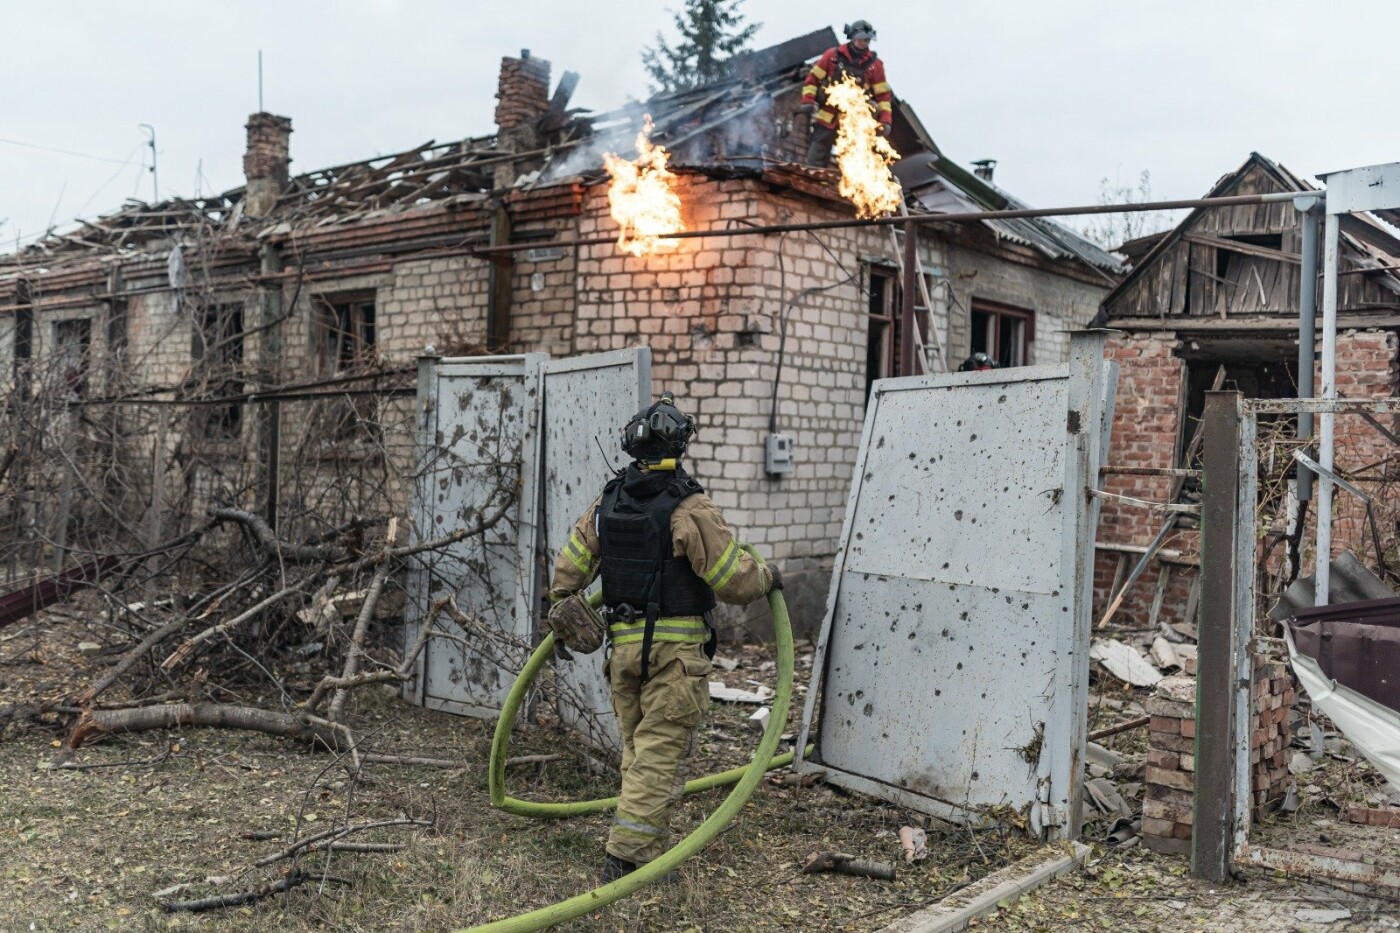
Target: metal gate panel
{"type": "Point", "coordinates": [953, 656]}
{"type": "Point", "coordinates": [478, 441]}
{"type": "Point", "coordinates": [587, 401]}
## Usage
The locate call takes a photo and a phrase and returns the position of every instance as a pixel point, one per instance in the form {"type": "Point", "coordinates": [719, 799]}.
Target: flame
{"type": "Point", "coordinates": [642, 197]}
{"type": "Point", "coordinates": [863, 155]}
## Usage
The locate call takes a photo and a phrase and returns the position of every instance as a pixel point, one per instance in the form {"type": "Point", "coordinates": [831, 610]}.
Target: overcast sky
{"type": "Point", "coordinates": [1061, 92]}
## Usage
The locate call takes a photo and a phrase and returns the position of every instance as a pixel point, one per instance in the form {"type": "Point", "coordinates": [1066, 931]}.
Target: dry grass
{"type": "Point", "coordinates": [87, 849]}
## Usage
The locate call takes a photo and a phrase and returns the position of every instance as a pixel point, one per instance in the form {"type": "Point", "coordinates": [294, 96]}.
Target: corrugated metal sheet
{"type": "Point", "coordinates": [936, 193]}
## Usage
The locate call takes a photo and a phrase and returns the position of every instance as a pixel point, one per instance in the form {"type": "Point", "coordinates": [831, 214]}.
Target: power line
{"type": "Point", "coordinates": [80, 155]}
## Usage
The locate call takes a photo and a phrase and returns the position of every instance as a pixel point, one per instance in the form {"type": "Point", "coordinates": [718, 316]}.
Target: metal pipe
{"type": "Point", "coordinates": [1307, 329]}
{"type": "Point", "coordinates": [1323, 558]}
{"type": "Point", "coordinates": [964, 217]}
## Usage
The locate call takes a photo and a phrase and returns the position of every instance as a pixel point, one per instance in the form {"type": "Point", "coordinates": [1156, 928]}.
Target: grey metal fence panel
{"type": "Point", "coordinates": [953, 655]}
{"type": "Point", "coordinates": [587, 401]}
{"type": "Point", "coordinates": [478, 444]}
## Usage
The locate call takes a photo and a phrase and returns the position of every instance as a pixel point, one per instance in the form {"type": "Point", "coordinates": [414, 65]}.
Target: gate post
{"type": "Point", "coordinates": [1216, 749]}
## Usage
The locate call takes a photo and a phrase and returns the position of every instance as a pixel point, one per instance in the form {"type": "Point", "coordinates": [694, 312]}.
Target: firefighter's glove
{"type": "Point", "coordinates": [808, 107]}
{"type": "Point", "coordinates": [577, 625]}
{"type": "Point", "coordinates": [777, 583]}
{"type": "Point", "coordinates": [883, 129]}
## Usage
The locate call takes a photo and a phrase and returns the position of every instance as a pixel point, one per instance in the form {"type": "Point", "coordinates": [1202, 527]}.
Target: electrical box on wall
{"type": "Point", "coordinates": [777, 454]}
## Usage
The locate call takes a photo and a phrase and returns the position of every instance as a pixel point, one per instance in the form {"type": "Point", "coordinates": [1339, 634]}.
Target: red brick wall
{"type": "Point", "coordinates": [1366, 368]}
{"type": "Point", "coordinates": [1144, 434]}
{"type": "Point", "coordinates": [523, 91]}
{"type": "Point", "coordinates": [1171, 754]}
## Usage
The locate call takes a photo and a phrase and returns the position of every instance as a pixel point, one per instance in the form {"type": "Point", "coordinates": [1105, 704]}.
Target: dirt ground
{"type": "Point", "coordinates": [89, 849]}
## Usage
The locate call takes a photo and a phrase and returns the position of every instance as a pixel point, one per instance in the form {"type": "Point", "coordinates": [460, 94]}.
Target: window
{"type": "Point", "coordinates": [346, 333]}
{"type": "Point", "coordinates": [217, 353]}
{"type": "Point", "coordinates": [72, 342]}
{"type": "Point", "coordinates": [117, 321]}
{"type": "Point", "coordinates": [1002, 332]}
{"type": "Point", "coordinates": [24, 326]}
{"type": "Point", "coordinates": [882, 313]}
{"type": "Point", "coordinates": [1252, 282]}
{"type": "Point", "coordinates": [1259, 369]}
{"type": "Point", "coordinates": [345, 341]}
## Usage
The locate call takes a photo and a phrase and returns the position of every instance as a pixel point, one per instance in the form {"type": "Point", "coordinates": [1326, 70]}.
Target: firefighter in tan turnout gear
{"type": "Point", "coordinates": [664, 553]}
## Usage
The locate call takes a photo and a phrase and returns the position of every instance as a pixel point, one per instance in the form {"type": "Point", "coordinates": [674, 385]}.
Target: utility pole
{"type": "Point", "coordinates": [155, 176]}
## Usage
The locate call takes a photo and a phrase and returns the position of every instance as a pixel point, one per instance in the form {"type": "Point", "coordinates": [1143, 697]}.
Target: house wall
{"type": "Point", "coordinates": [710, 310]}
{"type": "Point", "coordinates": [1145, 434]}
{"type": "Point", "coordinates": [1061, 303]}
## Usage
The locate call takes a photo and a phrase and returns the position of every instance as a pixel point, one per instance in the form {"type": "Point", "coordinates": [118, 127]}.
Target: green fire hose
{"type": "Point", "coordinates": [748, 778]}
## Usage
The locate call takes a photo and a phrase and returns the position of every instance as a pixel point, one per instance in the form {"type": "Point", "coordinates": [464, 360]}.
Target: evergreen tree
{"type": "Point", "coordinates": [711, 33]}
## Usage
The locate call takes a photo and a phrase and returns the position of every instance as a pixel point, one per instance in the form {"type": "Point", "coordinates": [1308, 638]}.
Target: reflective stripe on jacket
{"type": "Point", "coordinates": [867, 69]}
{"type": "Point", "coordinates": [698, 533]}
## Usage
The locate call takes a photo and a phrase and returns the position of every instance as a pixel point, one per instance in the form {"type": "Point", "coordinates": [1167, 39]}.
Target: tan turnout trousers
{"type": "Point", "coordinates": [659, 725]}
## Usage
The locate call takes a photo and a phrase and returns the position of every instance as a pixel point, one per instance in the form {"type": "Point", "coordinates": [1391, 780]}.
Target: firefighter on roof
{"type": "Point", "coordinates": [856, 59]}
{"type": "Point", "coordinates": [665, 554]}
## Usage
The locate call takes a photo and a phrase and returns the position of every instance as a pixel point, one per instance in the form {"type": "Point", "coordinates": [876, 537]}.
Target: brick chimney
{"type": "Point", "coordinates": [522, 97]}
{"type": "Point", "coordinates": [267, 162]}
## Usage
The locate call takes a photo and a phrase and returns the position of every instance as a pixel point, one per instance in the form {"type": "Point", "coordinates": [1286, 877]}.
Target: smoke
{"type": "Point", "coordinates": [752, 128]}
{"type": "Point", "coordinates": [587, 158]}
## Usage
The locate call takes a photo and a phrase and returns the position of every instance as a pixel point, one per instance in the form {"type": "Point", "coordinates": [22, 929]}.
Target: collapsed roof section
{"type": "Point", "coordinates": [1367, 245]}
{"type": "Point", "coordinates": [744, 125]}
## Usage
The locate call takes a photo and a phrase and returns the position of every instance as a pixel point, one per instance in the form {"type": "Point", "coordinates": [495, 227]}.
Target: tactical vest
{"type": "Point", "coordinates": [639, 567]}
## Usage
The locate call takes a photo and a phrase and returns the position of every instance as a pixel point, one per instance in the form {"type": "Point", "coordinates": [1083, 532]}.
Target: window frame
{"type": "Point", "coordinates": [999, 312]}
{"type": "Point", "coordinates": [887, 320]}
{"type": "Point", "coordinates": [217, 357]}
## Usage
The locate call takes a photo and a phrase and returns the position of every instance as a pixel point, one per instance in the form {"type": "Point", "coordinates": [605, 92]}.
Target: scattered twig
{"type": "Point", "coordinates": [248, 897]}
{"type": "Point", "coordinates": [314, 842]}
{"type": "Point", "coordinates": [1128, 726]}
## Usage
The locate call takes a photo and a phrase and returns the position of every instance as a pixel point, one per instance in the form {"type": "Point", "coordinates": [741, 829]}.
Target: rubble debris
{"type": "Point", "coordinates": [1320, 915]}
{"type": "Point", "coordinates": [1104, 796]}
{"type": "Point", "coordinates": [1387, 817]}
{"type": "Point", "coordinates": [914, 841]}
{"type": "Point", "coordinates": [1124, 662]}
{"type": "Point", "coordinates": [1187, 654]}
{"type": "Point", "coordinates": [760, 718]}
{"type": "Point", "coordinates": [843, 864]}
{"type": "Point", "coordinates": [725, 663]}
{"type": "Point", "coordinates": [1164, 654]}
{"type": "Point", "coordinates": [1096, 755]}
{"type": "Point", "coordinates": [719, 691]}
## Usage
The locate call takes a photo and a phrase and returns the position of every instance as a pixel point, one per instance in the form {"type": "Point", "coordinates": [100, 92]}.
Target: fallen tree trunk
{"type": "Point", "coordinates": [95, 724]}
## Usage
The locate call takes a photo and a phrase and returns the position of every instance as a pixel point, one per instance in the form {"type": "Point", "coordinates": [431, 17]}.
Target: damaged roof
{"type": "Point", "coordinates": [940, 186]}
{"type": "Point", "coordinates": [735, 126]}
{"type": "Point", "coordinates": [1367, 243]}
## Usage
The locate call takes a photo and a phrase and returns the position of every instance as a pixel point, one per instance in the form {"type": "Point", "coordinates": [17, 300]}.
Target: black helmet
{"type": "Point", "coordinates": [860, 29]}
{"type": "Point", "coordinates": [658, 432]}
{"type": "Point", "coordinates": [977, 361]}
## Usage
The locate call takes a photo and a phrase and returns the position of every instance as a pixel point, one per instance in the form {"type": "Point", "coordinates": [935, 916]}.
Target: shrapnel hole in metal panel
{"type": "Point", "coordinates": [587, 401]}
{"type": "Point", "coordinates": [475, 455]}
{"type": "Point", "coordinates": [852, 706]}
